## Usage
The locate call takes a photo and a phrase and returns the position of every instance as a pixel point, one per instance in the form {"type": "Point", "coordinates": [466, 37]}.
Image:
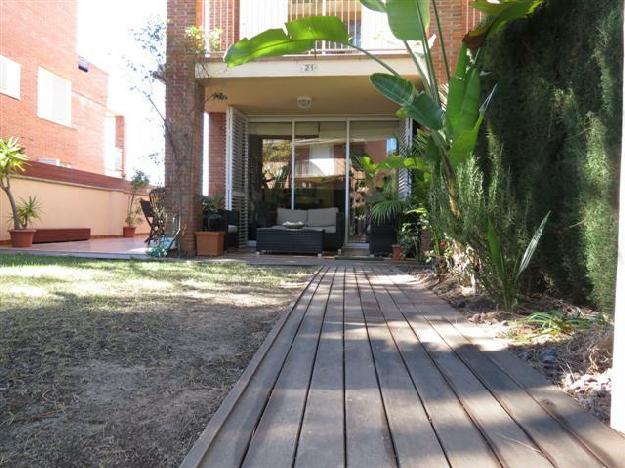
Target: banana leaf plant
{"type": "Point", "coordinates": [450, 114]}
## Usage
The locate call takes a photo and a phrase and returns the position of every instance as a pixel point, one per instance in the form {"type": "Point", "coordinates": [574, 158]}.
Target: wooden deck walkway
{"type": "Point", "coordinates": [369, 369]}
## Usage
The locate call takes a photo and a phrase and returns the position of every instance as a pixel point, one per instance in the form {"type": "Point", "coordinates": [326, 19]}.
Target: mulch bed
{"type": "Point", "coordinates": [578, 361]}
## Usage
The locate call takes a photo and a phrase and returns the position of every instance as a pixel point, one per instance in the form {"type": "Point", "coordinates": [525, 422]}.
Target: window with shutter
{"type": "Point", "coordinates": [54, 100]}
{"type": "Point", "coordinates": [10, 72]}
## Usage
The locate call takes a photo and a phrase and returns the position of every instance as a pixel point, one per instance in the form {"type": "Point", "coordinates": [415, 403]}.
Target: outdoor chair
{"type": "Point", "coordinates": [155, 222]}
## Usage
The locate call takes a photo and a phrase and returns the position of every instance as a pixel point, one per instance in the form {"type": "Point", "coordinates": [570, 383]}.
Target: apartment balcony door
{"type": "Point", "coordinates": [308, 164]}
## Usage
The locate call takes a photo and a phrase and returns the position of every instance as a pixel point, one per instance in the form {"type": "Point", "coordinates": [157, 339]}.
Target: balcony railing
{"type": "Point", "coordinates": [226, 21]}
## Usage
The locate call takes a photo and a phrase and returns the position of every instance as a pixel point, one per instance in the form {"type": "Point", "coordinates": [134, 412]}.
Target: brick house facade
{"type": "Point", "coordinates": [43, 35]}
{"type": "Point", "coordinates": [55, 103]}
{"type": "Point", "coordinates": [192, 114]}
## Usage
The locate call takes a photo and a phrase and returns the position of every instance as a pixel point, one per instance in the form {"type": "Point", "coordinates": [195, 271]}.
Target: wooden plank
{"type": "Point", "coordinates": [224, 441]}
{"type": "Point", "coordinates": [510, 443]}
{"type": "Point", "coordinates": [606, 444]}
{"type": "Point", "coordinates": [414, 439]}
{"type": "Point", "coordinates": [552, 438]}
{"type": "Point", "coordinates": [368, 442]}
{"type": "Point", "coordinates": [275, 439]}
{"type": "Point", "coordinates": [43, 236]}
{"type": "Point", "coordinates": [462, 442]}
{"type": "Point", "coordinates": [321, 441]}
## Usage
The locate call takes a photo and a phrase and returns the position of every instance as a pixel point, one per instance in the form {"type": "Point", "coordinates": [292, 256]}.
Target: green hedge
{"type": "Point", "coordinates": [556, 119]}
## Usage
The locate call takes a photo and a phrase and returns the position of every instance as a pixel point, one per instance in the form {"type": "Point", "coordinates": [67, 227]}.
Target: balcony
{"type": "Point", "coordinates": [227, 21]}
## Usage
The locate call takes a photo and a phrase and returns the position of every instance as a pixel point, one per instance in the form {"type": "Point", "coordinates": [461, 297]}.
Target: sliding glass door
{"type": "Point", "coordinates": [376, 140]}
{"type": "Point", "coordinates": [270, 155]}
{"type": "Point", "coordinates": [316, 164]}
{"type": "Point", "coordinates": [319, 175]}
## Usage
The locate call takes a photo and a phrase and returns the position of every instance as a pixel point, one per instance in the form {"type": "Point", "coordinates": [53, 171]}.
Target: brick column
{"type": "Point", "coordinates": [184, 107]}
{"type": "Point", "coordinates": [216, 153]}
{"type": "Point", "coordinates": [120, 140]}
{"type": "Point", "coordinates": [457, 17]}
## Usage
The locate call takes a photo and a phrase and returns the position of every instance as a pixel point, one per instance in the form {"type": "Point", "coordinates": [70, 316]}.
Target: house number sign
{"type": "Point", "coordinates": [309, 67]}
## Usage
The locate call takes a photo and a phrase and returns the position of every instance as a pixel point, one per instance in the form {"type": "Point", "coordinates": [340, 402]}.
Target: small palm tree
{"type": "Point", "coordinates": [13, 160]}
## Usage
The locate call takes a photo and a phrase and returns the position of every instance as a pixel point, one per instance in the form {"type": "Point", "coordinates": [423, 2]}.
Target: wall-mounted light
{"type": "Point", "coordinates": [304, 102]}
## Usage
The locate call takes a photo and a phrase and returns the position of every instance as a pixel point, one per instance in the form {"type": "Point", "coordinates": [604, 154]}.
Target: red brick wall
{"type": "Point", "coordinates": [224, 15]}
{"type": "Point", "coordinates": [457, 17]}
{"type": "Point", "coordinates": [185, 108]}
{"type": "Point", "coordinates": [43, 33]}
{"type": "Point", "coordinates": [216, 153]}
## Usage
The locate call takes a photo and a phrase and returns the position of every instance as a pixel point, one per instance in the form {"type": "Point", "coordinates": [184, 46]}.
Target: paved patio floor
{"type": "Point", "coordinates": [117, 247]}
{"type": "Point", "coordinates": [127, 248]}
{"type": "Point", "coordinates": [367, 368]}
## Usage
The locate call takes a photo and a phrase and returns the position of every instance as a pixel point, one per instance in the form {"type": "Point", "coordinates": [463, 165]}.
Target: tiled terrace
{"type": "Point", "coordinates": [117, 247]}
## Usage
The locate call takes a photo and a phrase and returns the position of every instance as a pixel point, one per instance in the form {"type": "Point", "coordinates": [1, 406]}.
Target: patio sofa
{"type": "Point", "coordinates": [278, 238]}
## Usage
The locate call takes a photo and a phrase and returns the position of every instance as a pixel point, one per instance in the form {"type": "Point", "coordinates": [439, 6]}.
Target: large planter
{"type": "Point", "coordinates": [129, 231]}
{"type": "Point", "coordinates": [397, 250]}
{"type": "Point", "coordinates": [210, 244]}
{"type": "Point", "coordinates": [22, 238]}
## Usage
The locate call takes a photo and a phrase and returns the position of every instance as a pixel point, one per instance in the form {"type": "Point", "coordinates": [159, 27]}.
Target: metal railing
{"type": "Point", "coordinates": [225, 21]}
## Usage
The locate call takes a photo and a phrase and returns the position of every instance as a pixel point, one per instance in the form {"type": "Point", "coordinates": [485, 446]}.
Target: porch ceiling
{"type": "Point", "coordinates": [331, 95]}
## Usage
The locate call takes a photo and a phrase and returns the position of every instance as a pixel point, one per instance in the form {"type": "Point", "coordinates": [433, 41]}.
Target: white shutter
{"type": "Point", "coordinates": [237, 168]}
{"type": "Point", "coordinates": [405, 139]}
{"type": "Point", "coordinates": [10, 76]}
{"type": "Point", "coordinates": [54, 98]}
{"type": "Point", "coordinates": [44, 94]}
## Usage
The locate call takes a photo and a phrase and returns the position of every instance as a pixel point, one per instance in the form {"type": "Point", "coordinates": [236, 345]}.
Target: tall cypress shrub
{"type": "Point", "coordinates": [556, 121]}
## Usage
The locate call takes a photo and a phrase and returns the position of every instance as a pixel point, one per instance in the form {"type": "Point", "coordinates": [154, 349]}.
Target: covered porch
{"type": "Point", "coordinates": [300, 143]}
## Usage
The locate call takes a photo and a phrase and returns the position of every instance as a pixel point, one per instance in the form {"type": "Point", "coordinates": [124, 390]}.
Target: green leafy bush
{"type": "Point", "coordinates": [556, 120]}
{"type": "Point", "coordinates": [491, 228]}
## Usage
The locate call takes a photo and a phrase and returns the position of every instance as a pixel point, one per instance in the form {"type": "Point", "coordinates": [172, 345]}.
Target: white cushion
{"type": "Point", "coordinates": [233, 228]}
{"type": "Point", "coordinates": [322, 217]}
{"type": "Point", "coordinates": [294, 216]}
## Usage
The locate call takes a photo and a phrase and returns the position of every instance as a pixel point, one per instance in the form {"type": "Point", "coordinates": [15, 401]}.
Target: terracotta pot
{"type": "Point", "coordinates": [210, 244]}
{"type": "Point", "coordinates": [396, 252]}
{"type": "Point", "coordinates": [129, 231]}
{"type": "Point", "coordinates": [22, 238]}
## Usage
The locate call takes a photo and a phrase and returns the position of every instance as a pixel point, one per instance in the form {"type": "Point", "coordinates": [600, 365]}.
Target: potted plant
{"type": "Point", "coordinates": [387, 214]}
{"type": "Point", "coordinates": [27, 211]}
{"type": "Point", "coordinates": [210, 241]}
{"type": "Point", "coordinates": [13, 160]}
{"type": "Point", "coordinates": [138, 182]}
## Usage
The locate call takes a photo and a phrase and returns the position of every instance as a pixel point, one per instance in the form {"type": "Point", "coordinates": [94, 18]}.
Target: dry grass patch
{"type": "Point", "coordinates": [121, 363]}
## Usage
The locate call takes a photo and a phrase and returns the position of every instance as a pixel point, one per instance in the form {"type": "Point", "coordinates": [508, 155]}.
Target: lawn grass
{"type": "Point", "coordinates": [121, 363]}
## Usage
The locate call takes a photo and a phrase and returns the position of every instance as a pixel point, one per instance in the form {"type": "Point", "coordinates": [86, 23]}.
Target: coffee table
{"type": "Point", "coordinates": [289, 240]}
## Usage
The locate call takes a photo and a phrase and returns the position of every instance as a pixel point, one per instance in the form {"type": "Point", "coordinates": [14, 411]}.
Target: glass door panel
{"type": "Point", "coordinates": [377, 140]}
{"type": "Point", "coordinates": [319, 171]}
{"type": "Point", "coordinates": [270, 185]}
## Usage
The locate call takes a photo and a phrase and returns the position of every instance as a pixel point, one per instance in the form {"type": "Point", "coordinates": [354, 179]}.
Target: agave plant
{"type": "Point", "coordinates": [502, 273]}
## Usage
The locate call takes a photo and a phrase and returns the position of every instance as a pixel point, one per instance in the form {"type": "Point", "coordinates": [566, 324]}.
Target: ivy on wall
{"type": "Point", "coordinates": [556, 121]}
